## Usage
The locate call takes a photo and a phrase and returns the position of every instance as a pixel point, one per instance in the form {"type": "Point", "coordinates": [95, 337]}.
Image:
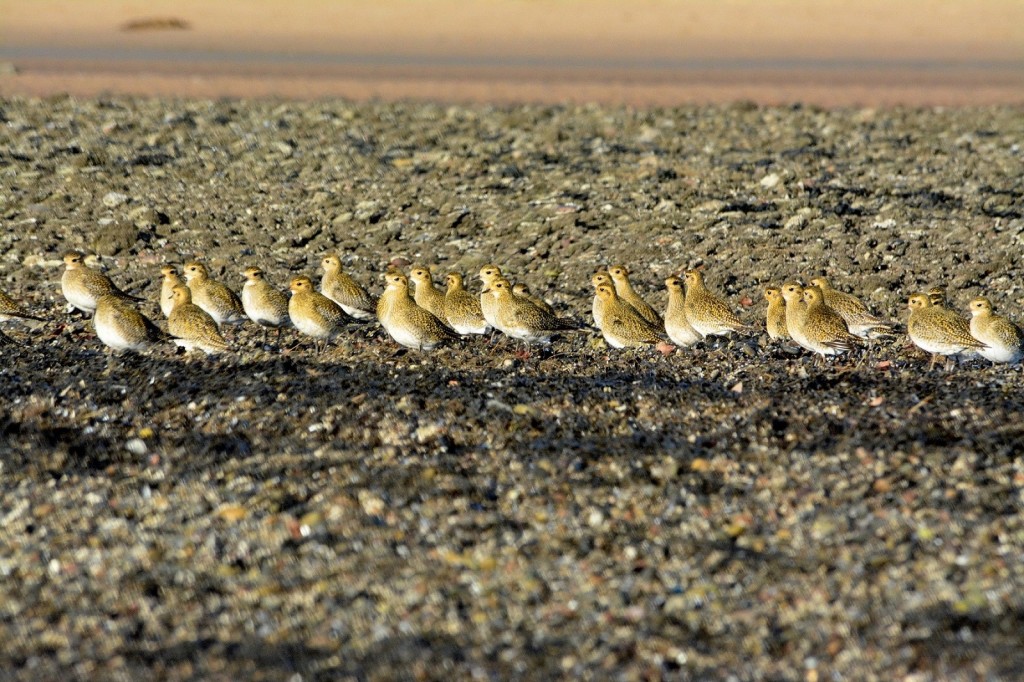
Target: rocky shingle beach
{"type": "Point", "coordinates": [478, 511]}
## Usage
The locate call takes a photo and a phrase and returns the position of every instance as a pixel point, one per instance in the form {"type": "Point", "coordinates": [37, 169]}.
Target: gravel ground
{"type": "Point", "coordinates": [375, 513]}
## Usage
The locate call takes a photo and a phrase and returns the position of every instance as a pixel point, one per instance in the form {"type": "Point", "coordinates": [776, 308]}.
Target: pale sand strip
{"type": "Point", "coordinates": [823, 52]}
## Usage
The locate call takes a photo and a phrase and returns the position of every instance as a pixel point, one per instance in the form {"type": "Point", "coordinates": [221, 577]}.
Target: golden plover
{"type": "Point", "coordinates": [10, 310]}
{"type": "Point", "coordinates": [678, 328]}
{"type": "Point", "coordinates": [265, 305]}
{"type": "Point", "coordinates": [708, 314]}
{"type": "Point", "coordinates": [121, 326]}
{"type": "Point", "coordinates": [597, 279]}
{"type": "Point", "coordinates": [521, 290]}
{"type": "Point", "coordinates": [170, 280]}
{"type": "Point", "coordinates": [622, 325]}
{"type": "Point", "coordinates": [488, 304]}
{"type": "Point", "coordinates": [824, 330]}
{"type": "Point", "coordinates": [521, 319]}
{"type": "Point", "coordinates": [426, 295]}
{"type": "Point", "coordinates": [407, 323]}
{"type": "Point", "coordinates": [212, 296]}
{"type": "Point", "coordinates": [462, 309]}
{"type": "Point", "coordinates": [345, 291]}
{"type": "Point", "coordinates": [81, 285]}
{"type": "Point", "coordinates": [796, 313]}
{"type": "Point", "coordinates": [938, 330]}
{"type": "Point", "coordinates": [858, 318]}
{"type": "Point", "coordinates": [314, 314]}
{"type": "Point", "coordinates": [937, 295]}
{"type": "Point", "coordinates": [776, 314]}
{"type": "Point", "coordinates": [191, 326]}
{"type": "Point", "coordinates": [624, 290]}
{"type": "Point", "coordinates": [1004, 339]}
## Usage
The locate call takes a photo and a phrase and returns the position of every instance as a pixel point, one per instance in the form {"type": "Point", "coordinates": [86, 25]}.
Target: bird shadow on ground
{"type": "Point", "coordinates": [220, 408]}
{"type": "Point", "coordinates": [411, 656]}
{"type": "Point", "coordinates": [214, 410]}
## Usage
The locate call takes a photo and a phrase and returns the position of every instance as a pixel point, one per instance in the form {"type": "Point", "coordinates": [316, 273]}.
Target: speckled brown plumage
{"type": "Point", "coordinates": [121, 326]}
{"type": "Point", "coordinates": [405, 321]}
{"type": "Point", "coordinates": [858, 318]}
{"type": "Point", "coordinates": [625, 292]}
{"type": "Point", "coordinates": [313, 314]}
{"type": "Point", "coordinates": [938, 330]}
{"type": "Point", "coordinates": [82, 286]}
{"type": "Point", "coordinates": [488, 304]}
{"type": "Point", "coordinates": [1004, 339]}
{"type": "Point", "coordinates": [346, 291]}
{"type": "Point", "coordinates": [824, 330]}
{"type": "Point", "coordinates": [677, 326]}
{"type": "Point", "coordinates": [775, 315]}
{"type": "Point", "coordinates": [220, 302]}
{"type": "Point", "coordinates": [426, 295]}
{"type": "Point", "coordinates": [622, 325]}
{"type": "Point", "coordinates": [265, 305]}
{"type": "Point", "coordinates": [597, 310]}
{"type": "Point", "coordinates": [10, 310]}
{"type": "Point", "coordinates": [708, 314]}
{"type": "Point", "coordinates": [796, 313]}
{"type": "Point", "coordinates": [191, 326]}
{"type": "Point", "coordinates": [171, 279]}
{"type": "Point", "coordinates": [462, 309]}
{"type": "Point", "coordinates": [522, 319]}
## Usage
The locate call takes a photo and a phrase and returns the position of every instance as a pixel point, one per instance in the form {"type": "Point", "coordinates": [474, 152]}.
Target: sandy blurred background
{"type": "Point", "coordinates": [870, 52]}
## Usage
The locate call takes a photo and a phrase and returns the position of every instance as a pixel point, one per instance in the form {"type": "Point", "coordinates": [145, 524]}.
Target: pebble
{"type": "Point", "coordinates": [136, 446]}
{"type": "Point", "coordinates": [113, 199]}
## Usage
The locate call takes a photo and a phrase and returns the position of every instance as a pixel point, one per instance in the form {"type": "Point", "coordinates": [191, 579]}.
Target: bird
{"type": "Point", "coordinates": [462, 309]}
{"type": "Point", "coordinates": [314, 314]}
{"type": "Point", "coordinates": [10, 310]}
{"type": "Point", "coordinates": [426, 295]}
{"type": "Point", "coordinates": [345, 291]}
{"type": "Point", "coordinates": [191, 326]}
{"type": "Point", "coordinates": [622, 325]}
{"type": "Point", "coordinates": [706, 313]}
{"type": "Point", "coordinates": [1004, 339]}
{"type": "Point", "coordinates": [678, 328]}
{"type": "Point", "coordinates": [121, 326]}
{"type": "Point", "coordinates": [521, 319]}
{"type": "Point", "coordinates": [215, 298]}
{"type": "Point", "coordinates": [170, 280]}
{"type": "Point", "coordinates": [796, 313]}
{"type": "Point", "coordinates": [937, 295]}
{"type": "Point", "coordinates": [521, 290]}
{"type": "Point", "coordinates": [824, 330]}
{"type": "Point", "coordinates": [938, 330]}
{"type": "Point", "coordinates": [597, 279]}
{"type": "Point", "coordinates": [407, 323]}
{"type": "Point", "coordinates": [488, 304]}
{"type": "Point", "coordinates": [624, 290]}
{"type": "Point", "coordinates": [858, 318]}
{"type": "Point", "coordinates": [264, 304]}
{"type": "Point", "coordinates": [81, 285]}
{"type": "Point", "coordinates": [776, 314]}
